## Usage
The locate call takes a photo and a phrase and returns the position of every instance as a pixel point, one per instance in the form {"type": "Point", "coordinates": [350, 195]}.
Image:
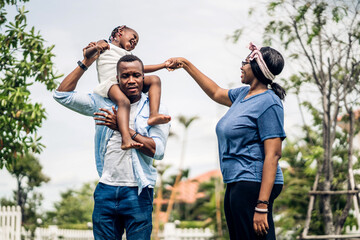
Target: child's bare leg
{"type": "Point", "coordinates": [154, 85]}
{"type": "Point", "coordinates": [122, 117]}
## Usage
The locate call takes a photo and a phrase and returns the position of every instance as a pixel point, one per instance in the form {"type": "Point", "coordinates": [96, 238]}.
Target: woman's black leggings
{"type": "Point", "coordinates": [240, 201]}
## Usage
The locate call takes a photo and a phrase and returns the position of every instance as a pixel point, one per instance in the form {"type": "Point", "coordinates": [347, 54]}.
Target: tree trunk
{"type": "Point", "coordinates": [177, 180]}
{"type": "Point", "coordinates": [20, 199]}
{"type": "Point", "coordinates": [351, 180]}
{"type": "Point", "coordinates": [172, 197]}
{"type": "Point", "coordinates": [326, 199]}
{"type": "Point", "coordinates": [157, 211]}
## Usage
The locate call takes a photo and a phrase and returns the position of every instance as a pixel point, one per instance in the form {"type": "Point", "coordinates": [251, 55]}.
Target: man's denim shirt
{"type": "Point", "coordinates": [88, 104]}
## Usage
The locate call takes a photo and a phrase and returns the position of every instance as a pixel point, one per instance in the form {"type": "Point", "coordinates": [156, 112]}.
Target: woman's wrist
{"type": "Point", "coordinates": [184, 62]}
{"type": "Point", "coordinates": [261, 205]}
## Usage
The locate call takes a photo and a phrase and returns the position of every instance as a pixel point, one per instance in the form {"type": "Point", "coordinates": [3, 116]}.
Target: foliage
{"type": "Point", "coordinates": [27, 171]}
{"type": "Point", "coordinates": [205, 208]}
{"type": "Point", "coordinates": [186, 122]}
{"type": "Point", "coordinates": [7, 202]}
{"type": "Point", "coordinates": [74, 210]}
{"type": "Point", "coordinates": [322, 41]}
{"type": "Point", "coordinates": [24, 60]}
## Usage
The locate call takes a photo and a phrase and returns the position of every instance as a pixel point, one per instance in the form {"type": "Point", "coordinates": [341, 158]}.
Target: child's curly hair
{"type": "Point", "coordinates": [116, 32]}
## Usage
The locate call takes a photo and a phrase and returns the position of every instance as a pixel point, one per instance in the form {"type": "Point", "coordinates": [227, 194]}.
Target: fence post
{"type": "Point", "coordinates": [17, 223]}
{"type": "Point", "coordinates": [54, 232]}
{"type": "Point", "coordinates": [170, 231]}
{"type": "Point", "coordinates": [10, 223]}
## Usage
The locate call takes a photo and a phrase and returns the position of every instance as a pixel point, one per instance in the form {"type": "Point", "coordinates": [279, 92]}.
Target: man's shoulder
{"type": "Point", "coordinates": [99, 98]}
{"type": "Point", "coordinates": [162, 108]}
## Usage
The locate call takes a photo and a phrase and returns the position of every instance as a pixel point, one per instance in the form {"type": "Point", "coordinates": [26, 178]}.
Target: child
{"type": "Point", "coordinates": [122, 40]}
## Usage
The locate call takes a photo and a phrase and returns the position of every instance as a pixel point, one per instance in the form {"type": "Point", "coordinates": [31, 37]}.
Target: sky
{"type": "Point", "coordinates": [194, 29]}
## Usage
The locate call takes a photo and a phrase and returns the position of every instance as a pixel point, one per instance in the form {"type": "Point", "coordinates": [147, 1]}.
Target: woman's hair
{"type": "Point", "coordinates": [275, 63]}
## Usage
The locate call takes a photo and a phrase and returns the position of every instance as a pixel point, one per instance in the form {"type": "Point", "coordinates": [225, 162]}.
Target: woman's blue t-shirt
{"type": "Point", "coordinates": [241, 133]}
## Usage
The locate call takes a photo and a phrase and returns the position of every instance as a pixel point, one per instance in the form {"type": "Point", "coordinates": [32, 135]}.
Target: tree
{"type": "Point", "coordinates": [28, 173]}
{"type": "Point", "coordinates": [322, 38]}
{"type": "Point", "coordinates": [208, 207]}
{"type": "Point", "coordinates": [24, 60]}
{"type": "Point", "coordinates": [75, 208]}
{"type": "Point", "coordinates": [186, 123]}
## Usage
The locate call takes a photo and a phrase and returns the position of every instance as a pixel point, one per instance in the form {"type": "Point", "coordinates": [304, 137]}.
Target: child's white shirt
{"type": "Point", "coordinates": [106, 69]}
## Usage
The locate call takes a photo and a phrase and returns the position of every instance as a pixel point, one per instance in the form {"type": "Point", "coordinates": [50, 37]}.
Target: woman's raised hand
{"type": "Point", "coordinates": [173, 63]}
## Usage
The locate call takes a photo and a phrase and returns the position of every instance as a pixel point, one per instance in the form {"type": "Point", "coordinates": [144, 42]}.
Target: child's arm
{"type": "Point", "coordinates": [168, 64]}
{"type": "Point", "coordinates": [153, 68]}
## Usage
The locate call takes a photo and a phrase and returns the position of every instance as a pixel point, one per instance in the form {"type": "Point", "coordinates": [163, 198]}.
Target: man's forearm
{"type": "Point", "coordinates": [71, 80]}
{"type": "Point", "coordinates": [149, 144]}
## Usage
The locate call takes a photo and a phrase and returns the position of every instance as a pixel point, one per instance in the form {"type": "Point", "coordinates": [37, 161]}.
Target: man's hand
{"type": "Point", "coordinates": [102, 45]}
{"type": "Point", "coordinates": [70, 81]}
{"type": "Point", "coordinates": [107, 118]}
{"type": "Point", "coordinates": [93, 50]}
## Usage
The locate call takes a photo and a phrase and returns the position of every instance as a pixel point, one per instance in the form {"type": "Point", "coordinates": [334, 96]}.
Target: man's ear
{"type": "Point", "coordinates": [118, 78]}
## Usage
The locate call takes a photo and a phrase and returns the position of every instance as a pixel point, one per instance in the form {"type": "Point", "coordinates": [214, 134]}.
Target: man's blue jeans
{"type": "Point", "coordinates": [118, 208]}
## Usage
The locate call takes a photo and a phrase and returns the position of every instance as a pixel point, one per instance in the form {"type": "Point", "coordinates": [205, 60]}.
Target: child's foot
{"type": "Point", "coordinates": [158, 119]}
{"type": "Point", "coordinates": [131, 144]}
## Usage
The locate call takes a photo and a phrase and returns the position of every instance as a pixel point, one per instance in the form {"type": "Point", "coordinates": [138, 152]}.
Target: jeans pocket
{"type": "Point", "coordinates": [147, 196]}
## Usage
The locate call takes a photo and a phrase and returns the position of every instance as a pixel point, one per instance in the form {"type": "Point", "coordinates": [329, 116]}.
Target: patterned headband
{"type": "Point", "coordinates": [256, 54]}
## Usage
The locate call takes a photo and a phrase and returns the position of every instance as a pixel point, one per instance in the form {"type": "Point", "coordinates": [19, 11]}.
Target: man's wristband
{"type": "Point", "coordinates": [134, 136]}
{"type": "Point", "coordinates": [81, 65]}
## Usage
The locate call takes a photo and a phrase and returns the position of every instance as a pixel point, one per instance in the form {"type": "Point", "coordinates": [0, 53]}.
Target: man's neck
{"type": "Point", "coordinates": [134, 99]}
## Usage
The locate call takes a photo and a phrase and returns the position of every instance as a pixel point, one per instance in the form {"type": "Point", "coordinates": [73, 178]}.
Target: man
{"type": "Point", "coordinates": [124, 195]}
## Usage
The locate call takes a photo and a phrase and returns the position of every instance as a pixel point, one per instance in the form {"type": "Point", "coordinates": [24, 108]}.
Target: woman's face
{"type": "Point", "coordinates": [247, 74]}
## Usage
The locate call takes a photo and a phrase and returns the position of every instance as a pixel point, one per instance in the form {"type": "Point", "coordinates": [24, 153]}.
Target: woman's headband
{"type": "Point", "coordinates": [256, 54]}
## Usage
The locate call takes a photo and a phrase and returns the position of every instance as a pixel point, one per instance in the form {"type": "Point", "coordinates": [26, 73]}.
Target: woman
{"type": "Point", "coordinates": [249, 137]}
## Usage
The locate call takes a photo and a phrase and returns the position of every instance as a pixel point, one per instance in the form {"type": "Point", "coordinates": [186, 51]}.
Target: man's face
{"type": "Point", "coordinates": [131, 79]}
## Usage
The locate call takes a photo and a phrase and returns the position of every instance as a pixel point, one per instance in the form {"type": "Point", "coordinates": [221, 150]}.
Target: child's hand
{"type": "Point", "coordinates": [102, 45]}
{"type": "Point", "coordinates": [172, 63]}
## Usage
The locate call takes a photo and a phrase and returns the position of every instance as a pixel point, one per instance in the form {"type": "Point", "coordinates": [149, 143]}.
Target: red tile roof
{"type": "Point", "coordinates": [188, 190]}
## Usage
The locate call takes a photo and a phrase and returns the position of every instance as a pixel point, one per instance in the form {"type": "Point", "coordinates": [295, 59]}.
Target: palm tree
{"type": "Point", "coordinates": [186, 123]}
{"type": "Point", "coordinates": [161, 168]}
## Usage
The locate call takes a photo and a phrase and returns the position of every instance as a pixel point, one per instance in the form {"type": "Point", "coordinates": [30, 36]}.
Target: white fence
{"type": "Point", "coordinates": [10, 223]}
{"type": "Point", "coordinates": [54, 233]}
{"type": "Point", "coordinates": [10, 229]}
{"type": "Point", "coordinates": [170, 233]}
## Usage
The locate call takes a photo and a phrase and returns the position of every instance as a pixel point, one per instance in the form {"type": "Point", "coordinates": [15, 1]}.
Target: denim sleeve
{"type": "Point", "coordinates": [271, 123]}
{"type": "Point", "coordinates": [159, 133]}
{"type": "Point", "coordinates": [78, 102]}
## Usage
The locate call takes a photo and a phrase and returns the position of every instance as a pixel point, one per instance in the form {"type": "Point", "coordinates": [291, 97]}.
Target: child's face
{"type": "Point", "coordinates": [129, 39]}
